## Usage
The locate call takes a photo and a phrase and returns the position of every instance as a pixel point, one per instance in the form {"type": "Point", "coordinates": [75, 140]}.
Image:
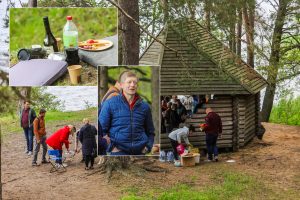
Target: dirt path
{"type": "Point", "coordinates": [22, 181]}
{"type": "Point", "coordinates": [275, 160]}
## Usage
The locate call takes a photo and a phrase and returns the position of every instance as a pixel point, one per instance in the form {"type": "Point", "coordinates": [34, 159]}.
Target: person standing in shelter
{"type": "Point", "coordinates": [173, 99]}
{"type": "Point", "coordinates": [27, 117]}
{"type": "Point", "coordinates": [39, 130]}
{"type": "Point", "coordinates": [126, 120]}
{"type": "Point", "coordinates": [188, 104]}
{"type": "Point", "coordinates": [87, 138]}
{"type": "Point", "coordinates": [59, 138]}
{"type": "Point", "coordinates": [181, 111]}
{"type": "Point", "coordinates": [165, 118]}
{"type": "Point", "coordinates": [172, 118]}
{"type": "Point", "coordinates": [213, 130]}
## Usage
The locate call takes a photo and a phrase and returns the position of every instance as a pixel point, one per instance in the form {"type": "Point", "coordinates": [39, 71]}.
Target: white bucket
{"type": "Point", "coordinates": [197, 158]}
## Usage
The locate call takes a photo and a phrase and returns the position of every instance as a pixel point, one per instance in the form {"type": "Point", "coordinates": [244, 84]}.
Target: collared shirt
{"type": "Point", "coordinates": [135, 98]}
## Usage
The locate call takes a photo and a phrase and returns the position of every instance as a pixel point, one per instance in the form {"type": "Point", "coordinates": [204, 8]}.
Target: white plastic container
{"type": "Point", "coordinates": [70, 34]}
{"type": "Point", "coordinates": [197, 157]}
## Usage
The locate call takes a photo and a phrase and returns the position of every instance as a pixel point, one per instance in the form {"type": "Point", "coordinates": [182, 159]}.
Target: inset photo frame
{"type": "Point", "coordinates": [128, 112]}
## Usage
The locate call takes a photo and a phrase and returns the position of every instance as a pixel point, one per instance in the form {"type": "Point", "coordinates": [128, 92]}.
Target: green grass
{"type": "Point", "coordinates": [70, 116]}
{"type": "Point", "coordinates": [27, 28]}
{"type": "Point", "coordinates": [11, 124]}
{"type": "Point", "coordinates": [225, 185]}
{"type": "Point", "coordinates": [287, 111]}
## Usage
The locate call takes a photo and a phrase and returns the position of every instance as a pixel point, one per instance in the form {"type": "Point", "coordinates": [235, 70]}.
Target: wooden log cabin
{"type": "Point", "coordinates": [194, 62]}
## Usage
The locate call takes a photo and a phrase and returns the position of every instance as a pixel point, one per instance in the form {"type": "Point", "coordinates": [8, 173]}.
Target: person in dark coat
{"type": "Point", "coordinates": [173, 118]}
{"type": "Point", "coordinates": [213, 130]}
{"type": "Point", "coordinates": [87, 137]}
{"type": "Point", "coordinates": [181, 111]}
{"type": "Point", "coordinates": [166, 117]}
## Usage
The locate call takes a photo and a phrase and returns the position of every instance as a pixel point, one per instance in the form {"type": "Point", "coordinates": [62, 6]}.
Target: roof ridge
{"type": "Point", "coordinates": [231, 52]}
{"type": "Point", "coordinates": [150, 44]}
{"type": "Point", "coordinates": [229, 55]}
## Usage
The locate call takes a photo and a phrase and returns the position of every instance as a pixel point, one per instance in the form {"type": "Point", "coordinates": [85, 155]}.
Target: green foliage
{"type": "Point", "coordinates": [27, 28]}
{"type": "Point", "coordinates": [41, 99]}
{"type": "Point", "coordinates": [8, 98]}
{"type": "Point", "coordinates": [144, 74]}
{"type": "Point", "coordinates": [73, 3]}
{"type": "Point", "coordinates": [286, 111]}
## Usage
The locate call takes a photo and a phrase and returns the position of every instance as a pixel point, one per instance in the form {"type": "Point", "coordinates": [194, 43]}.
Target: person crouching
{"type": "Point", "coordinates": [60, 137]}
{"type": "Point", "coordinates": [175, 139]}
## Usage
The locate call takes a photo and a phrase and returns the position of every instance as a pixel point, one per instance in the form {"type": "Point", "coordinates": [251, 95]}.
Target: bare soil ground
{"type": "Point", "coordinates": [275, 161]}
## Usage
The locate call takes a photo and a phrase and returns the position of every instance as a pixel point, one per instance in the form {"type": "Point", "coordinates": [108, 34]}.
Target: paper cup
{"type": "Point", "coordinates": [75, 74]}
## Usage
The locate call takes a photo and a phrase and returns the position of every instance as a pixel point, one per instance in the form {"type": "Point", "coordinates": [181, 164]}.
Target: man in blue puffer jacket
{"type": "Point", "coordinates": [126, 120]}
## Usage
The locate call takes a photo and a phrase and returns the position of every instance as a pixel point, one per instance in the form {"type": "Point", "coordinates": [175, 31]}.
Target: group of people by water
{"type": "Point", "coordinates": [36, 135]}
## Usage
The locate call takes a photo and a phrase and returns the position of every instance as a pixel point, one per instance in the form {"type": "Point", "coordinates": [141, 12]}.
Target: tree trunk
{"type": "Point", "coordinates": [232, 40]}
{"type": "Point", "coordinates": [129, 32]}
{"type": "Point", "coordinates": [207, 14]}
{"type": "Point", "coordinates": [32, 3]}
{"type": "Point", "coordinates": [249, 26]}
{"type": "Point", "coordinates": [239, 34]}
{"type": "Point", "coordinates": [155, 101]}
{"type": "Point", "coordinates": [103, 82]}
{"type": "Point", "coordinates": [121, 40]}
{"type": "Point", "coordinates": [250, 54]}
{"type": "Point", "coordinates": [274, 60]}
{"type": "Point", "coordinates": [192, 8]}
{"type": "Point", "coordinates": [165, 7]}
{"type": "Point", "coordinates": [25, 92]}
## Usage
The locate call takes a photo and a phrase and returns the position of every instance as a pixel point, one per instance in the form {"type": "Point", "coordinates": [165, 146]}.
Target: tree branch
{"type": "Point", "coordinates": [143, 29]}
{"type": "Point", "coordinates": [288, 76]}
{"type": "Point", "coordinates": [292, 47]}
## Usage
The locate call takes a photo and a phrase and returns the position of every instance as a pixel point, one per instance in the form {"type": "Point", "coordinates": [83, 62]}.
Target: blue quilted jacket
{"type": "Point", "coordinates": [129, 130]}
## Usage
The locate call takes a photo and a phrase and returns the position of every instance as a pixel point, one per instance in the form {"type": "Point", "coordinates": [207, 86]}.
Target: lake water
{"type": "Point", "coordinates": [3, 38]}
{"type": "Point", "coordinates": [4, 33]}
{"type": "Point", "coordinates": [75, 97]}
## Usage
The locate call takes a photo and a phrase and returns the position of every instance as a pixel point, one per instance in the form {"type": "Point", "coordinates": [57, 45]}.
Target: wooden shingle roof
{"type": "Point", "coordinates": [202, 64]}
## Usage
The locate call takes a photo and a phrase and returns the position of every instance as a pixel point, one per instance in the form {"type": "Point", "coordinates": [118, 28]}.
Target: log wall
{"type": "Point", "coordinates": [247, 118]}
{"type": "Point", "coordinates": [221, 105]}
